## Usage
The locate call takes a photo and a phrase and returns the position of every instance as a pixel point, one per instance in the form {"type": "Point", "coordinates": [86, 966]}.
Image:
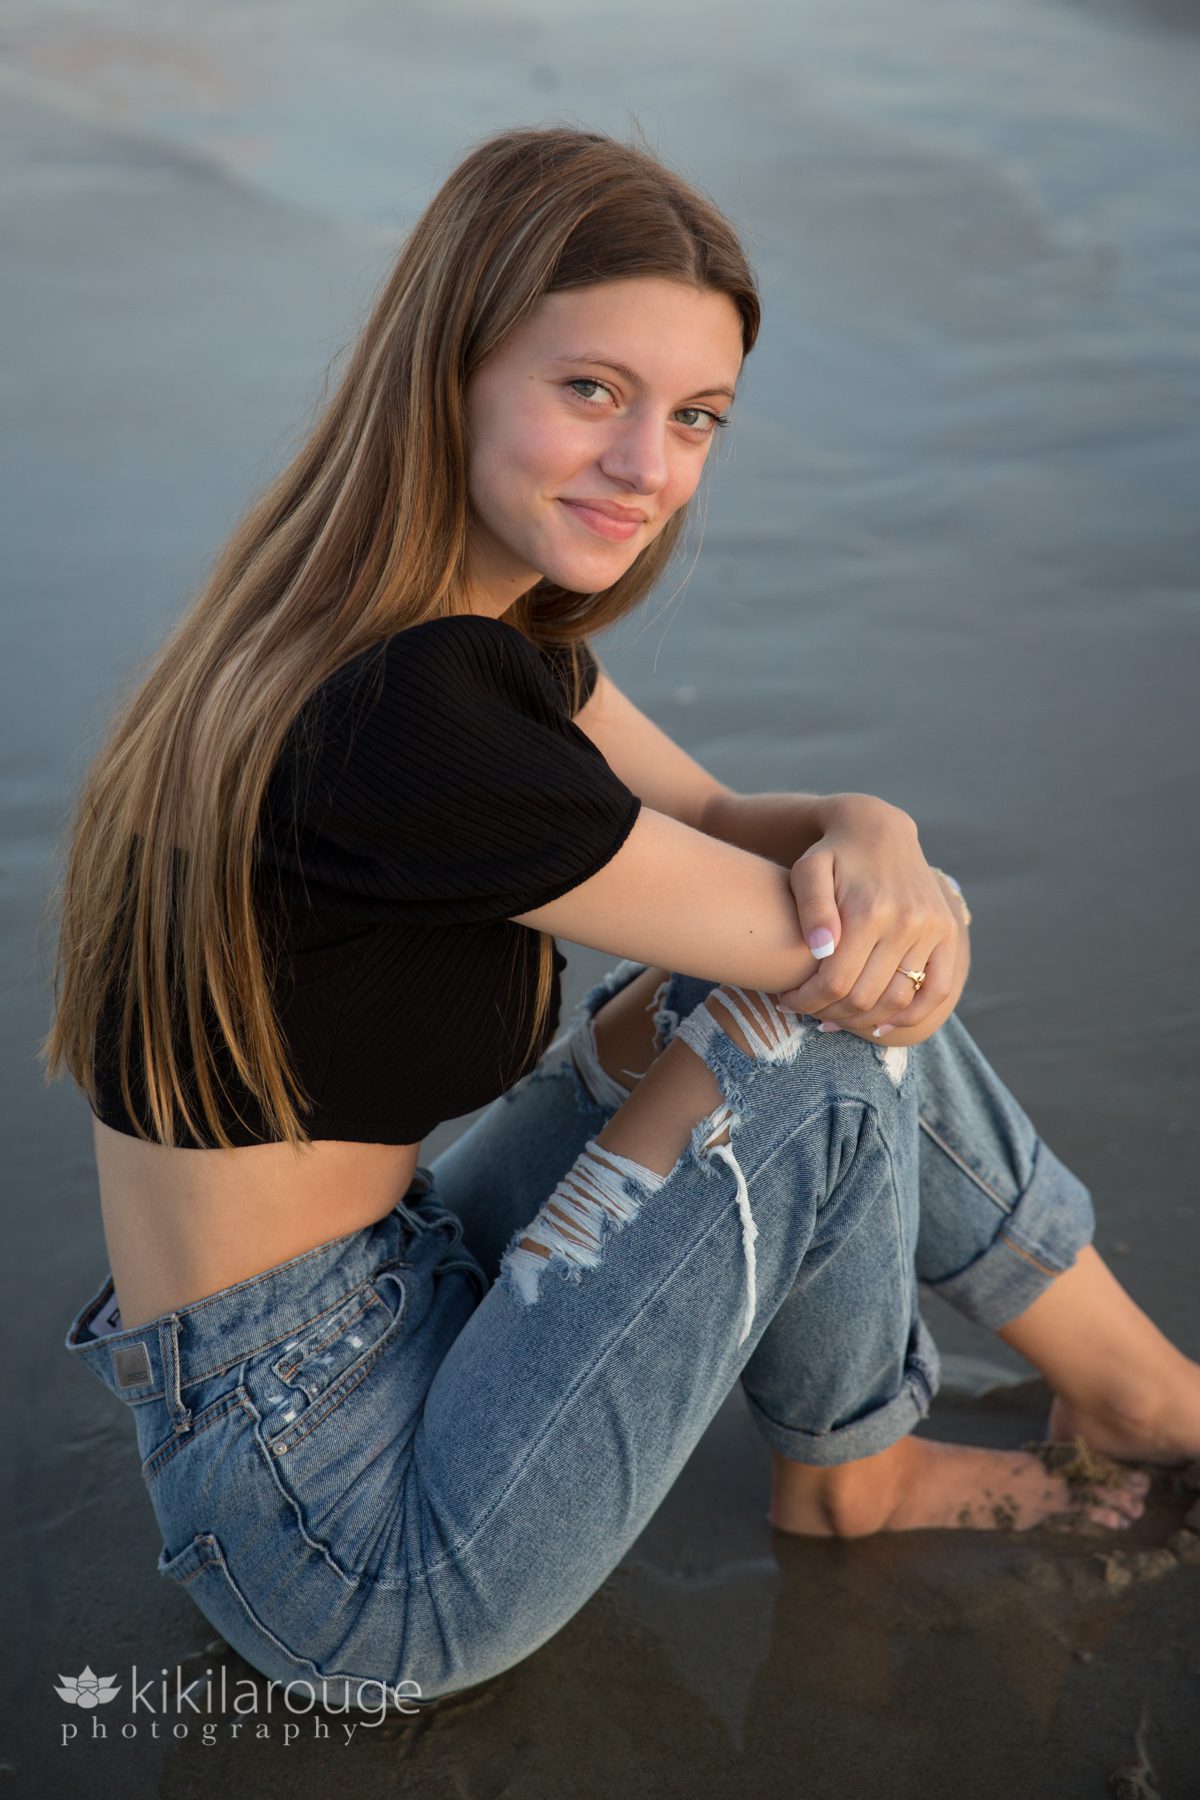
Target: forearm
{"type": "Point", "coordinates": [780, 827]}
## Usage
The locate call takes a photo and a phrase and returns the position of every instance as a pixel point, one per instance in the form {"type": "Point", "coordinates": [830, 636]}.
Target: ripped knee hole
{"type": "Point", "coordinates": [604, 1189]}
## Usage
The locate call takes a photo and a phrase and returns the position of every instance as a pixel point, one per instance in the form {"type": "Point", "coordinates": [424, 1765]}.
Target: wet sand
{"type": "Point", "coordinates": [950, 557]}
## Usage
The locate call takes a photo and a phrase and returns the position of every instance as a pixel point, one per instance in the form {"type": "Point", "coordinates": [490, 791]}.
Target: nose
{"type": "Point", "coordinates": [636, 453]}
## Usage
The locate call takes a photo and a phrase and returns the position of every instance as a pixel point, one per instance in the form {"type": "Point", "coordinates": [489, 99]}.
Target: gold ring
{"type": "Point", "coordinates": [916, 976]}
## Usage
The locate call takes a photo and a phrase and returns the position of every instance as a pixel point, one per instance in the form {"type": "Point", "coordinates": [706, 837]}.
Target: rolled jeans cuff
{"type": "Point", "coordinates": [1040, 1238]}
{"type": "Point", "coordinates": [874, 1431]}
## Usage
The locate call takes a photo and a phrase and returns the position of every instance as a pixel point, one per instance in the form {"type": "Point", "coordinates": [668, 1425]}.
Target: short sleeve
{"type": "Point", "coordinates": [447, 778]}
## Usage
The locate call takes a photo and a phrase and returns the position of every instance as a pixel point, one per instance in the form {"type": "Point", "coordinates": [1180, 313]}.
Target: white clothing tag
{"type": "Point", "coordinates": [107, 1320]}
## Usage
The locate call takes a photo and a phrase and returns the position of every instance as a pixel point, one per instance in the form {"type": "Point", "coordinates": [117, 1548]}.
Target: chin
{"type": "Point", "coordinates": [593, 581]}
{"type": "Point", "coordinates": [589, 574]}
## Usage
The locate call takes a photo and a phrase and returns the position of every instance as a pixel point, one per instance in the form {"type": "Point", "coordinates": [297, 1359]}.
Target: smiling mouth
{"type": "Point", "coordinates": [617, 531]}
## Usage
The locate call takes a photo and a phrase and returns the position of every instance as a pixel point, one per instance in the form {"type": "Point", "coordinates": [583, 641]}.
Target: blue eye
{"type": "Point", "coordinates": [717, 418]}
{"type": "Point", "coordinates": [702, 412]}
{"type": "Point", "coordinates": [586, 381]}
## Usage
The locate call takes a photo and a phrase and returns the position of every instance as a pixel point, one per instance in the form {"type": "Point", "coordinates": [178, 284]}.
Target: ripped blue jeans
{"type": "Point", "coordinates": [397, 1464]}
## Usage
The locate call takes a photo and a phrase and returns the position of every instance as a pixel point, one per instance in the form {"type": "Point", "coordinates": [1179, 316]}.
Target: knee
{"type": "Point", "coordinates": [617, 1045]}
{"type": "Point", "coordinates": [755, 1022]}
{"type": "Point", "coordinates": [768, 1032]}
{"type": "Point", "coordinates": [692, 1085]}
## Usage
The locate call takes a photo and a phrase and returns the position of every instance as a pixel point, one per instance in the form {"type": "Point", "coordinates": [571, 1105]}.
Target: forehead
{"type": "Point", "coordinates": [656, 326]}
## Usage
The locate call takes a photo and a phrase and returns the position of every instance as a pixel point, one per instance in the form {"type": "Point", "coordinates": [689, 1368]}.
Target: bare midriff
{"type": "Point", "coordinates": [183, 1224]}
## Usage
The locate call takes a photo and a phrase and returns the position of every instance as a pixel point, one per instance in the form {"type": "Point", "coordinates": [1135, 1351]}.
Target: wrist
{"type": "Point", "coordinates": [780, 827]}
{"type": "Point", "coordinates": [866, 814]}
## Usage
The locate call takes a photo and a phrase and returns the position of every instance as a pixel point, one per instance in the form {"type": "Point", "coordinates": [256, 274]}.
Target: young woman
{"type": "Point", "coordinates": [398, 1421]}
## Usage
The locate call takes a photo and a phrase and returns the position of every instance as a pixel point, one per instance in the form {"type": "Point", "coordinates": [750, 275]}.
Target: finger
{"type": "Point", "coordinates": [816, 905]}
{"type": "Point", "coordinates": [898, 1005]}
{"type": "Point", "coordinates": [886, 995]}
{"type": "Point", "coordinates": [877, 994]}
{"type": "Point", "coordinates": [916, 1007]}
{"type": "Point", "coordinates": [835, 975]}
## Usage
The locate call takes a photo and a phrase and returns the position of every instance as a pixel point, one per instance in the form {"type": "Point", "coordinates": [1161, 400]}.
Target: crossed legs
{"type": "Point", "coordinates": [1118, 1382]}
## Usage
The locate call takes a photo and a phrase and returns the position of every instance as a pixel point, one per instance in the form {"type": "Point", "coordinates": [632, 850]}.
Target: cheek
{"type": "Point", "coordinates": [531, 449]}
{"type": "Point", "coordinates": [684, 480]}
{"type": "Point", "coordinates": [552, 449]}
{"type": "Point", "coordinates": [496, 427]}
{"type": "Point", "coordinates": [493, 472]}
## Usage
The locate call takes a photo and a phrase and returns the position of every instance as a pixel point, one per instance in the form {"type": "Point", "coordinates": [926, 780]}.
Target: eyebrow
{"type": "Point", "coordinates": [606, 362]}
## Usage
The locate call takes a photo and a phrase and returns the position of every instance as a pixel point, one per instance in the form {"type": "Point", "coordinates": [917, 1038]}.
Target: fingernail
{"type": "Point", "coordinates": [821, 942]}
{"type": "Point", "coordinates": [824, 1027]}
{"type": "Point", "coordinates": [881, 1030]}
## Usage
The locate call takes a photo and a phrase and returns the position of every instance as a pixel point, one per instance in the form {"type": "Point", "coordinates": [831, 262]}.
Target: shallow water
{"type": "Point", "coordinates": [950, 557]}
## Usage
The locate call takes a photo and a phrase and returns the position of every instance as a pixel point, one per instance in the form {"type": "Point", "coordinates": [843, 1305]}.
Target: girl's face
{"type": "Point", "coordinates": [560, 438]}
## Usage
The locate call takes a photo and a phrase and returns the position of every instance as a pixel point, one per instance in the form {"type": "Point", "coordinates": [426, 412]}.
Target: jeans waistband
{"type": "Point", "coordinates": [167, 1355]}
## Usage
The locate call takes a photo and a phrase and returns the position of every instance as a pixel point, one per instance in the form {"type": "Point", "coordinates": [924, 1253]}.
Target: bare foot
{"type": "Point", "coordinates": [921, 1485]}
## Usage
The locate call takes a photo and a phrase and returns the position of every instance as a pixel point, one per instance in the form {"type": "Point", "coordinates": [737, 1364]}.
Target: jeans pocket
{"type": "Point", "coordinates": [335, 1409]}
{"type": "Point", "coordinates": [300, 1386]}
{"type": "Point", "coordinates": [229, 1406]}
{"type": "Point", "coordinates": [202, 1570]}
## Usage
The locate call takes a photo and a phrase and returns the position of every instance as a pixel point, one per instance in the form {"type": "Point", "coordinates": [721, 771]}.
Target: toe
{"type": "Point", "coordinates": [1106, 1516]}
{"type": "Point", "coordinates": [1128, 1499]}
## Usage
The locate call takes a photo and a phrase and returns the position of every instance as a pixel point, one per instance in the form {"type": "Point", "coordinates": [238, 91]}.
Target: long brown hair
{"type": "Point", "coordinates": [363, 534]}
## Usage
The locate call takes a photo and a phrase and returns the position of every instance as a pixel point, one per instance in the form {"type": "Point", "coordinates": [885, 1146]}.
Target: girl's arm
{"type": "Point", "coordinates": [864, 896]}
{"type": "Point", "coordinates": [676, 898]}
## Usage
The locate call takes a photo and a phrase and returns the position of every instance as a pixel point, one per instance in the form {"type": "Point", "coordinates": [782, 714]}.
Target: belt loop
{"type": "Point", "coordinates": [415, 1225]}
{"type": "Point", "coordinates": [168, 1343]}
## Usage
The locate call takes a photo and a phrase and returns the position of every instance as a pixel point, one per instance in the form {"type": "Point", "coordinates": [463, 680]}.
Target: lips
{"type": "Point", "coordinates": [602, 524]}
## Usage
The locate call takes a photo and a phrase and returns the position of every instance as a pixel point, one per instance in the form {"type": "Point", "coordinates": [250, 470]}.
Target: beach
{"type": "Point", "coordinates": [949, 557]}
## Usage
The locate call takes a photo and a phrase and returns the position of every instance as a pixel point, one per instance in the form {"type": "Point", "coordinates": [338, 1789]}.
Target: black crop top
{"type": "Point", "coordinates": [401, 834]}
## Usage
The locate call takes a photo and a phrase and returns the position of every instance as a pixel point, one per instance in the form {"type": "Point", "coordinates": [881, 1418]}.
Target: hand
{"type": "Point", "coordinates": [866, 889]}
{"type": "Point", "coordinates": [903, 1034]}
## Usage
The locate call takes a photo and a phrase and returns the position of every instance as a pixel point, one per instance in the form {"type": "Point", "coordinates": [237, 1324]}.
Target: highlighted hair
{"type": "Point", "coordinates": [362, 534]}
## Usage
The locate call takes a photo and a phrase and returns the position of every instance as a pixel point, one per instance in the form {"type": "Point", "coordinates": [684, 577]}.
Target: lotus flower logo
{"type": "Point", "coordinates": [88, 1689]}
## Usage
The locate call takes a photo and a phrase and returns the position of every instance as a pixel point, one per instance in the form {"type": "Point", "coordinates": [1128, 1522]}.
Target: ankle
{"type": "Point", "coordinates": [1098, 1350]}
{"type": "Point", "coordinates": [1137, 1395]}
{"type": "Point", "coordinates": [849, 1500]}
{"type": "Point", "coordinates": [1156, 1421]}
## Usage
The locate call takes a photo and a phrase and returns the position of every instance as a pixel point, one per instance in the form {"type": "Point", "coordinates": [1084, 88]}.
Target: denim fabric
{"type": "Point", "coordinates": [397, 1464]}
